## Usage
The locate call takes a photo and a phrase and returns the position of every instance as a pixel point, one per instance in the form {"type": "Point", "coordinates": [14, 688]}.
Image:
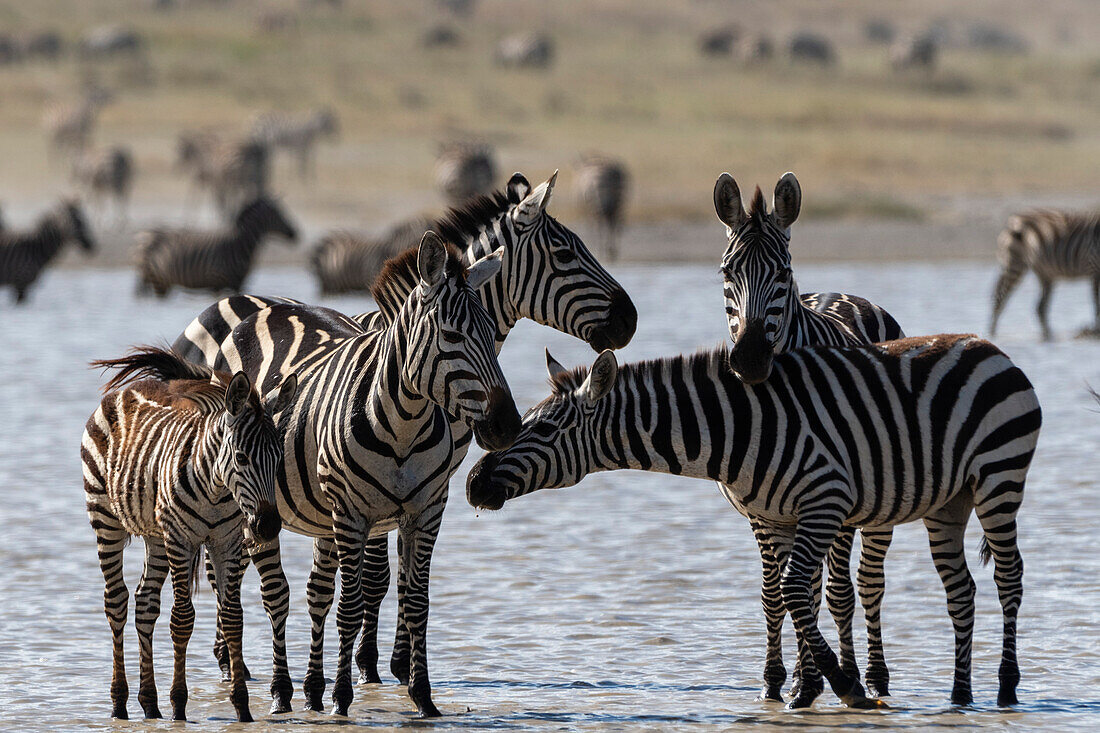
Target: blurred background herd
{"type": "Point", "coordinates": [363, 120]}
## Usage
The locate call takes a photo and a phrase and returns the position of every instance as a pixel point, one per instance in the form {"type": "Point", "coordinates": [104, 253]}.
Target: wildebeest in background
{"type": "Point", "coordinates": [525, 50]}
{"type": "Point", "coordinates": [464, 170]}
{"type": "Point", "coordinates": [346, 262]}
{"type": "Point", "coordinates": [719, 41]}
{"type": "Point", "coordinates": [811, 48]}
{"type": "Point", "coordinates": [107, 174]}
{"type": "Point", "coordinates": [208, 260]}
{"type": "Point", "coordinates": [603, 184]}
{"type": "Point", "coordinates": [69, 126]}
{"type": "Point", "coordinates": [235, 171]}
{"type": "Point", "coordinates": [914, 51]}
{"type": "Point", "coordinates": [24, 254]}
{"type": "Point", "coordinates": [111, 40]}
{"type": "Point", "coordinates": [296, 133]}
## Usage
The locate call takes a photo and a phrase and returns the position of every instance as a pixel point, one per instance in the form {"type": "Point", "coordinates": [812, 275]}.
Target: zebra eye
{"type": "Point", "coordinates": [564, 255]}
{"type": "Point", "coordinates": [452, 337]}
{"type": "Point", "coordinates": [242, 458]}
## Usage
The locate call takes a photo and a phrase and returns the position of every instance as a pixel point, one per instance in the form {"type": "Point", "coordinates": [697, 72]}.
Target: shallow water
{"type": "Point", "coordinates": [630, 600]}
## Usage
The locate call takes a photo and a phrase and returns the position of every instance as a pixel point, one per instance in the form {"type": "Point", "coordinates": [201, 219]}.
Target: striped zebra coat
{"type": "Point", "coordinates": [185, 458]}
{"type": "Point", "coordinates": [604, 185]}
{"type": "Point", "coordinates": [24, 254]}
{"type": "Point", "coordinates": [234, 171]}
{"type": "Point", "coordinates": [547, 275]}
{"type": "Point", "coordinates": [767, 316]}
{"type": "Point", "coordinates": [871, 435]}
{"type": "Point", "coordinates": [368, 442]}
{"type": "Point", "coordinates": [296, 134]}
{"type": "Point", "coordinates": [107, 173]}
{"type": "Point", "coordinates": [465, 170]}
{"type": "Point", "coordinates": [1055, 245]}
{"type": "Point", "coordinates": [218, 260]}
{"type": "Point", "coordinates": [348, 262]}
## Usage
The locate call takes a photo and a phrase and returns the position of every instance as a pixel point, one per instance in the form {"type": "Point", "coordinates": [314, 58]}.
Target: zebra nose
{"type": "Point", "coordinates": [501, 424]}
{"type": "Point", "coordinates": [267, 523]}
{"type": "Point", "coordinates": [622, 320]}
{"type": "Point", "coordinates": [481, 492]}
{"type": "Point", "coordinates": [751, 355]}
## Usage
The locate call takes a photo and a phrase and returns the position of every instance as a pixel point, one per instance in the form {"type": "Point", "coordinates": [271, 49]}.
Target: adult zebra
{"type": "Point", "coordinates": [296, 134]}
{"type": "Point", "coordinates": [24, 254]}
{"type": "Point", "coordinates": [1055, 245]}
{"type": "Point", "coordinates": [767, 316]}
{"type": "Point", "coordinates": [870, 435]}
{"type": "Point", "coordinates": [547, 274]}
{"type": "Point", "coordinates": [367, 440]}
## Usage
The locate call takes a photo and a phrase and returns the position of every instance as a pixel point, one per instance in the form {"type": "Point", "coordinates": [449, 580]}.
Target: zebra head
{"type": "Point", "coordinates": [451, 356]}
{"type": "Point", "coordinates": [551, 277]}
{"type": "Point", "coordinates": [69, 219]}
{"type": "Point", "coordinates": [756, 268]}
{"type": "Point", "coordinates": [557, 442]}
{"type": "Point", "coordinates": [264, 216]}
{"type": "Point", "coordinates": [251, 450]}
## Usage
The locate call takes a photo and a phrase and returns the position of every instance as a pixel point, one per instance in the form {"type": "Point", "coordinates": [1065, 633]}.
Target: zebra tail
{"type": "Point", "coordinates": [1011, 246]}
{"type": "Point", "coordinates": [155, 362]}
{"type": "Point", "coordinates": [984, 551]}
{"type": "Point", "coordinates": [197, 563]}
{"type": "Point", "coordinates": [317, 254]}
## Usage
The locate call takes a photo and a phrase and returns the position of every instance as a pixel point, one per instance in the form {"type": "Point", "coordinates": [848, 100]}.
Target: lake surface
{"type": "Point", "coordinates": [628, 601]}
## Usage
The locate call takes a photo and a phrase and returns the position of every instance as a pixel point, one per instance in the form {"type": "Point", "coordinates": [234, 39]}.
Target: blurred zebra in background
{"type": "Point", "coordinates": [464, 170]}
{"type": "Point", "coordinates": [1055, 245]}
{"type": "Point", "coordinates": [69, 126]}
{"type": "Point", "coordinates": [604, 184]}
{"type": "Point", "coordinates": [345, 262]}
{"type": "Point", "coordinates": [296, 134]}
{"type": "Point", "coordinates": [106, 173]}
{"type": "Point", "coordinates": [23, 255]}
{"type": "Point", "coordinates": [208, 260]}
{"type": "Point", "coordinates": [234, 171]}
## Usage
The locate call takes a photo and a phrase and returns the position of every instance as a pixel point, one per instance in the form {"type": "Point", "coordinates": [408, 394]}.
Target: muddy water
{"type": "Point", "coordinates": [630, 600]}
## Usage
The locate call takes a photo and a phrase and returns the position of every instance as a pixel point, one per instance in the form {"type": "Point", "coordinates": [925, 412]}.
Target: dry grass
{"type": "Point", "coordinates": [628, 81]}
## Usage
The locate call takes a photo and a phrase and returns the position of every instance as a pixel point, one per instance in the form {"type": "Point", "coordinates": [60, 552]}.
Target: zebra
{"type": "Point", "coordinates": [24, 254]}
{"type": "Point", "coordinates": [297, 134]}
{"type": "Point", "coordinates": [916, 51]}
{"type": "Point", "coordinates": [234, 171]}
{"type": "Point", "coordinates": [604, 184]}
{"type": "Point", "coordinates": [69, 126]}
{"type": "Point", "coordinates": [185, 458]}
{"type": "Point", "coordinates": [767, 316]}
{"type": "Point", "coordinates": [464, 171]}
{"type": "Point", "coordinates": [1055, 245]}
{"type": "Point", "coordinates": [368, 442]}
{"type": "Point", "coordinates": [532, 50]}
{"type": "Point", "coordinates": [345, 262]}
{"type": "Point", "coordinates": [208, 260]}
{"type": "Point", "coordinates": [926, 428]}
{"type": "Point", "coordinates": [107, 172]}
{"type": "Point", "coordinates": [547, 275]}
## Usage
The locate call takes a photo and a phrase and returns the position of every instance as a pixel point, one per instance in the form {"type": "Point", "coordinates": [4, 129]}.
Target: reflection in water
{"type": "Point", "coordinates": [629, 600]}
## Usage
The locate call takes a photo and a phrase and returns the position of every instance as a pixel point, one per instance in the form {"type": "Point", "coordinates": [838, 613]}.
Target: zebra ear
{"type": "Point", "coordinates": [553, 368]}
{"type": "Point", "coordinates": [431, 259]}
{"type": "Point", "coordinates": [484, 269]}
{"type": "Point", "coordinates": [237, 393]}
{"type": "Point", "coordinates": [279, 398]}
{"type": "Point", "coordinates": [727, 202]}
{"type": "Point", "coordinates": [532, 207]}
{"type": "Point", "coordinates": [517, 188]}
{"type": "Point", "coordinates": [787, 201]}
{"type": "Point", "coordinates": [602, 377]}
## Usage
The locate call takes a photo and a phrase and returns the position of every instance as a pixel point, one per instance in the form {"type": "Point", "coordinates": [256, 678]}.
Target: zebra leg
{"type": "Point", "coordinates": [146, 613]}
{"type": "Point", "coordinates": [418, 537]}
{"type": "Point", "coordinates": [275, 592]}
{"type": "Point", "coordinates": [1008, 573]}
{"type": "Point", "coordinates": [351, 533]}
{"type": "Point", "coordinates": [180, 560]}
{"type": "Point", "coordinates": [221, 651]}
{"type": "Point", "coordinates": [775, 674]}
{"type": "Point", "coordinates": [319, 592]}
{"type": "Point", "coordinates": [1006, 283]}
{"type": "Point", "coordinates": [402, 644]}
{"type": "Point", "coordinates": [814, 535]}
{"type": "Point", "coordinates": [840, 595]}
{"type": "Point", "coordinates": [806, 682]}
{"type": "Point", "coordinates": [946, 528]}
{"type": "Point", "coordinates": [110, 541]}
{"type": "Point", "coordinates": [229, 568]}
{"type": "Point", "coordinates": [1096, 304]}
{"type": "Point", "coordinates": [1046, 287]}
{"type": "Point", "coordinates": [871, 578]}
{"type": "Point", "coordinates": [376, 581]}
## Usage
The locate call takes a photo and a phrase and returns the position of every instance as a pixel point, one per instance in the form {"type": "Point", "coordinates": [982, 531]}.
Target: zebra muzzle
{"type": "Point", "coordinates": [752, 355]}
{"type": "Point", "coordinates": [266, 524]}
{"type": "Point", "coordinates": [481, 492]}
{"type": "Point", "coordinates": [617, 330]}
{"type": "Point", "coordinates": [501, 424]}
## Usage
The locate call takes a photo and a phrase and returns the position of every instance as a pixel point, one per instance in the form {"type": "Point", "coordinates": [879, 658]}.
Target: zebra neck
{"type": "Point", "coordinates": [50, 240]}
{"type": "Point", "coordinates": [800, 331]}
{"type": "Point", "coordinates": [246, 242]}
{"type": "Point", "coordinates": [495, 293]}
{"type": "Point", "coordinates": [391, 401]}
{"type": "Point", "coordinates": [212, 429]}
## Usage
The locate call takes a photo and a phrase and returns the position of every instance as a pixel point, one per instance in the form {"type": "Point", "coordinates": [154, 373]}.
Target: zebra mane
{"type": "Point", "coordinates": [704, 361]}
{"type": "Point", "coordinates": [163, 364]}
{"type": "Point", "coordinates": [758, 207]}
{"type": "Point", "coordinates": [400, 276]}
{"type": "Point", "coordinates": [464, 222]}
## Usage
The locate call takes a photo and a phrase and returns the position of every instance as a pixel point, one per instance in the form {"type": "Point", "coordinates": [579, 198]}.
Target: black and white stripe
{"type": "Point", "coordinates": [604, 184]}
{"type": "Point", "coordinates": [872, 435]}
{"type": "Point", "coordinates": [465, 170]}
{"type": "Point", "coordinates": [24, 254]}
{"type": "Point", "coordinates": [234, 171]}
{"type": "Point", "coordinates": [1055, 245]}
{"type": "Point", "coordinates": [208, 260]}
{"type": "Point", "coordinates": [106, 173]}
{"type": "Point", "coordinates": [767, 316]}
{"type": "Point", "coordinates": [185, 458]}
{"type": "Point", "coordinates": [348, 262]}
{"type": "Point", "coordinates": [297, 134]}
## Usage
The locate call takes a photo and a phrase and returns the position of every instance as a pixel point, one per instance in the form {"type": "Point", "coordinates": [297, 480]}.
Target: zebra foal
{"type": "Point", "coordinates": [24, 254]}
{"type": "Point", "coordinates": [208, 260]}
{"type": "Point", "coordinates": [185, 458]}
{"type": "Point", "coordinates": [870, 435]}
{"type": "Point", "coordinates": [1055, 245]}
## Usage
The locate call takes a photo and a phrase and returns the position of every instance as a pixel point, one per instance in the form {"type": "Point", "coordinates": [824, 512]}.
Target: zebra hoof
{"type": "Point", "coordinates": [120, 713]}
{"type": "Point", "coordinates": [421, 695]}
{"type": "Point", "coordinates": [864, 703]}
{"type": "Point", "coordinates": [961, 697]}
{"type": "Point", "coordinates": [1007, 698]}
{"type": "Point", "coordinates": [280, 706]}
{"type": "Point", "coordinates": [804, 699]}
{"type": "Point", "coordinates": [399, 668]}
{"type": "Point", "coordinates": [771, 693]}
{"type": "Point", "coordinates": [879, 688]}
{"type": "Point", "coordinates": [245, 716]}
{"type": "Point", "coordinates": [369, 676]}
